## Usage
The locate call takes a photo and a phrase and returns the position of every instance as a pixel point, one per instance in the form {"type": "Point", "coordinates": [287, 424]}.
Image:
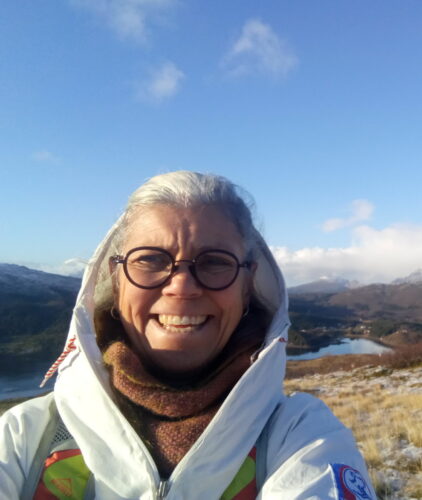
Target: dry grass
{"type": "Point", "coordinates": [384, 410]}
{"type": "Point", "coordinates": [378, 418]}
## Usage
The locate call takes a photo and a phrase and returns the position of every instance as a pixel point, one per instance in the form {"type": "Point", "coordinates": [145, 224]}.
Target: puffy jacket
{"type": "Point", "coordinates": [310, 454]}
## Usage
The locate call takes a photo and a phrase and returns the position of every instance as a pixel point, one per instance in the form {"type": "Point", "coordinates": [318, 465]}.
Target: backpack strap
{"type": "Point", "coordinates": [55, 442]}
{"type": "Point", "coordinates": [261, 452]}
{"type": "Point", "coordinates": [43, 451]}
{"type": "Point", "coordinates": [251, 476]}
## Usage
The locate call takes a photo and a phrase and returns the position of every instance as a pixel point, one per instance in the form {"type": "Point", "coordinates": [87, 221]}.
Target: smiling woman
{"type": "Point", "coordinates": [171, 383]}
{"type": "Point", "coordinates": [180, 325]}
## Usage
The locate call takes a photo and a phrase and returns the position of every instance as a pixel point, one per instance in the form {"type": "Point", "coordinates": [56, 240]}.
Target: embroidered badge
{"type": "Point", "coordinates": [350, 483]}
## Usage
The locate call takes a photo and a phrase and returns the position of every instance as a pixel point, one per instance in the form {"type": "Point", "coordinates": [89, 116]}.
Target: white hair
{"type": "Point", "coordinates": [191, 189]}
{"type": "Point", "coordinates": [182, 189]}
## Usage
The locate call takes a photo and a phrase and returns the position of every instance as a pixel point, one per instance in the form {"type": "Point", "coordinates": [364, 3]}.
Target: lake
{"type": "Point", "coordinates": [26, 384]}
{"type": "Point", "coordinates": [347, 346]}
{"type": "Point", "coordinates": [23, 385]}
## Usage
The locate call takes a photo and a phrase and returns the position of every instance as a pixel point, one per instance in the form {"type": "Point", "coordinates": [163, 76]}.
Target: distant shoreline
{"type": "Point", "coordinates": [376, 340]}
{"type": "Point", "coordinates": [296, 350]}
{"type": "Point", "coordinates": [5, 404]}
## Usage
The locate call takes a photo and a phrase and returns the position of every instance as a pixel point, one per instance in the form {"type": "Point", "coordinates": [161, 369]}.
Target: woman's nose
{"type": "Point", "coordinates": [182, 283]}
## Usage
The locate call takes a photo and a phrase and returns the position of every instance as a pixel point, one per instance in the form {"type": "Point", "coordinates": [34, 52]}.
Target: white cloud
{"type": "Point", "coordinates": [164, 82]}
{"type": "Point", "coordinates": [361, 210]}
{"type": "Point", "coordinates": [373, 256]}
{"type": "Point", "coordinates": [45, 156]}
{"type": "Point", "coordinates": [127, 18]}
{"type": "Point", "coordinates": [71, 267]}
{"type": "Point", "coordinates": [259, 50]}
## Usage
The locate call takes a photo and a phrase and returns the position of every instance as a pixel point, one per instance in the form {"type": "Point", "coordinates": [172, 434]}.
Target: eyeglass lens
{"type": "Point", "coordinates": [152, 267]}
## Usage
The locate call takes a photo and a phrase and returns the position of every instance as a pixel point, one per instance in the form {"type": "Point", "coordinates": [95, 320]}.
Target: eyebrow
{"type": "Point", "coordinates": [196, 250]}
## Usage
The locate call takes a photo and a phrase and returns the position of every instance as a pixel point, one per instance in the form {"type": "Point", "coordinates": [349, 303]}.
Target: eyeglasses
{"type": "Point", "coordinates": [152, 267]}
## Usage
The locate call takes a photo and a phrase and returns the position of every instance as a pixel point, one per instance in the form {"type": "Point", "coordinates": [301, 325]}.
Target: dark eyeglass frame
{"type": "Point", "coordinates": [120, 259]}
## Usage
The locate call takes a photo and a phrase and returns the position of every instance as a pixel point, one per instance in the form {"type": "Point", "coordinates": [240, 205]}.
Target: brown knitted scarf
{"type": "Point", "coordinates": [170, 419]}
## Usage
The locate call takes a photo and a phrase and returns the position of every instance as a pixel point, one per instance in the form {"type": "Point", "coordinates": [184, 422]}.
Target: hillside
{"type": "Point", "coordinates": [35, 310]}
{"type": "Point", "coordinates": [400, 302]}
{"type": "Point", "coordinates": [381, 402]}
{"type": "Point", "coordinates": [392, 312]}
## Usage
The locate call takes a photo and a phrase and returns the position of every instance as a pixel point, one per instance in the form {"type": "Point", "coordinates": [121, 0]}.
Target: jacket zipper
{"type": "Point", "coordinates": [164, 484]}
{"type": "Point", "coordinates": [162, 490]}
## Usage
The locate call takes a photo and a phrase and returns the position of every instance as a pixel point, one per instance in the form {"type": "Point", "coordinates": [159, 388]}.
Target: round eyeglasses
{"type": "Point", "coordinates": [152, 267]}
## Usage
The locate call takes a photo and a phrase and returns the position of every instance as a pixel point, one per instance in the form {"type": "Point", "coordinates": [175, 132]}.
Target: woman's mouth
{"type": "Point", "coordinates": [181, 323]}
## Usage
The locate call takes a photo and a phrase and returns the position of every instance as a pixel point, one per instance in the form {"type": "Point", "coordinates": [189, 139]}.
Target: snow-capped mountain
{"type": "Point", "coordinates": [324, 285]}
{"type": "Point", "coordinates": [25, 281]}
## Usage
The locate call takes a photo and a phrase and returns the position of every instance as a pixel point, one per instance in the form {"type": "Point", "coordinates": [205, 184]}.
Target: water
{"type": "Point", "coordinates": [27, 384]}
{"type": "Point", "coordinates": [347, 346]}
{"type": "Point", "coordinates": [23, 385]}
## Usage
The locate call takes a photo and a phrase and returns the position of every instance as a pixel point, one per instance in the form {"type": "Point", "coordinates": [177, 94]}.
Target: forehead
{"type": "Point", "coordinates": [180, 229]}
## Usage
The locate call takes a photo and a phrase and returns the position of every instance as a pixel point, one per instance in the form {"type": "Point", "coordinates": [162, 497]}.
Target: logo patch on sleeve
{"type": "Point", "coordinates": [350, 483]}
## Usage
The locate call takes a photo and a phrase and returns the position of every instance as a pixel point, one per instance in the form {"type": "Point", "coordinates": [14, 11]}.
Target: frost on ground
{"type": "Point", "coordinates": [383, 407]}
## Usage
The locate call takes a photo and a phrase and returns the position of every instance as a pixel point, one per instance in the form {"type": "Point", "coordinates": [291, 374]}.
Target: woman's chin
{"type": "Point", "coordinates": [176, 366]}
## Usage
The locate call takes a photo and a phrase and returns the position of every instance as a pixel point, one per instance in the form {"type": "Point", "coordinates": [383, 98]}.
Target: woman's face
{"type": "Point", "coordinates": [181, 326]}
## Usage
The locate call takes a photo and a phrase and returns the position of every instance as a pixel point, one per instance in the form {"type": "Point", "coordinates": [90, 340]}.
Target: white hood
{"type": "Point", "coordinates": [110, 446]}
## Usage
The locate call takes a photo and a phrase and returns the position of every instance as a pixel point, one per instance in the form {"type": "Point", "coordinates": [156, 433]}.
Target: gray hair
{"type": "Point", "coordinates": [191, 189]}
{"type": "Point", "coordinates": [183, 189]}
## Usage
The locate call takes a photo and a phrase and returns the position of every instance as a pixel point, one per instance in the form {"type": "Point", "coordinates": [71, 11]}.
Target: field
{"type": "Point", "coordinates": [380, 399]}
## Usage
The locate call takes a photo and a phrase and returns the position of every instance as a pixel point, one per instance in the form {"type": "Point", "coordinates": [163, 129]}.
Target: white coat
{"type": "Point", "coordinates": [305, 440]}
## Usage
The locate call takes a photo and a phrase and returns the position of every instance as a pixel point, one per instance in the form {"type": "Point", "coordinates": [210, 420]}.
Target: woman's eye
{"type": "Point", "coordinates": [215, 264]}
{"type": "Point", "coordinates": [151, 262]}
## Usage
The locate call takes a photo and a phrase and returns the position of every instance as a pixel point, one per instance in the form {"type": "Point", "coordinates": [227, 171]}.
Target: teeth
{"type": "Point", "coordinates": [170, 320]}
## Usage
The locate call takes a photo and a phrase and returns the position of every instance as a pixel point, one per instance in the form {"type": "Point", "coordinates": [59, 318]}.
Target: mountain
{"type": "Point", "coordinates": [36, 307]}
{"type": "Point", "coordinates": [400, 301]}
{"type": "Point", "coordinates": [377, 310]}
{"type": "Point", "coordinates": [323, 285]}
{"type": "Point", "coordinates": [415, 277]}
{"type": "Point", "coordinates": [319, 308]}
{"type": "Point", "coordinates": [35, 311]}
{"type": "Point", "coordinates": [24, 281]}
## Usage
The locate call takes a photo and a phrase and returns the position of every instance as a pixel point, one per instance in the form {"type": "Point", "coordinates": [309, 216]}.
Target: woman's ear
{"type": "Point", "coordinates": [248, 285]}
{"type": "Point", "coordinates": [112, 267]}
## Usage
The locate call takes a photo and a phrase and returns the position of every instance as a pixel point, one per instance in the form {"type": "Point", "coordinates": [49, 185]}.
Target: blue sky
{"type": "Point", "coordinates": [314, 107]}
